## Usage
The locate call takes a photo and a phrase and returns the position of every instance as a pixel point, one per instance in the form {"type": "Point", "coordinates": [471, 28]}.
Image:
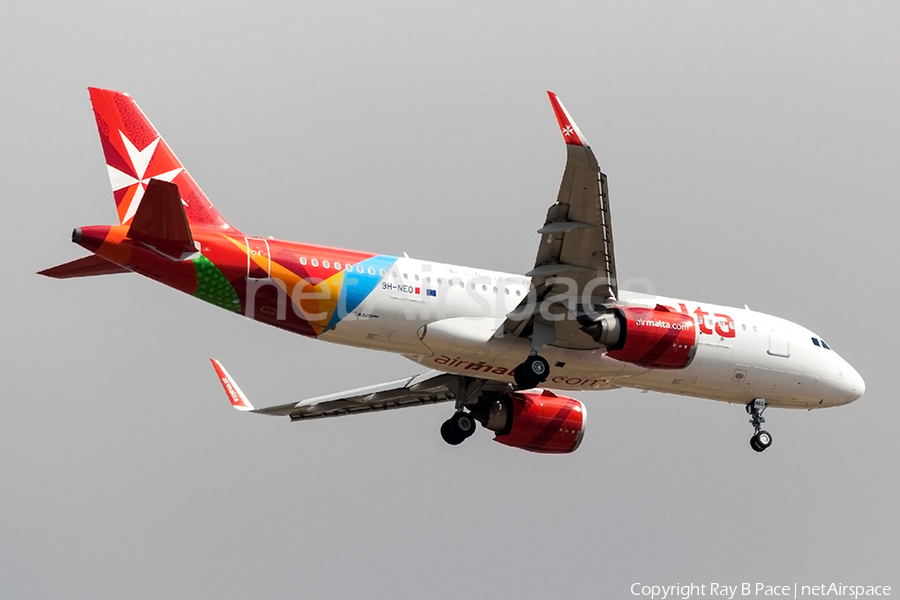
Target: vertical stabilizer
{"type": "Point", "coordinates": [135, 153]}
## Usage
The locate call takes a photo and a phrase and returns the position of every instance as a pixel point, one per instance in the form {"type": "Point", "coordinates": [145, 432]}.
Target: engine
{"type": "Point", "coordinates": [657, 338]}
{"type": "Point", "coordinates": [535, 421]}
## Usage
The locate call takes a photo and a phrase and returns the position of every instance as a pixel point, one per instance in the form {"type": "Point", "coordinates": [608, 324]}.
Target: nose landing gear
{"type": "Point", "coordinates": [761, 439]}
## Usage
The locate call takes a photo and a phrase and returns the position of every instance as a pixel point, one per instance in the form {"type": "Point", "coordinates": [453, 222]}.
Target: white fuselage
{"type": "Point", "coordinates": [450, 318]}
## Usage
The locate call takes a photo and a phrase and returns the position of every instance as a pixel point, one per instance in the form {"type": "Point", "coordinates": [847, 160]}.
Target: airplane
{"type": "Point", "coordinates": [499, 346]}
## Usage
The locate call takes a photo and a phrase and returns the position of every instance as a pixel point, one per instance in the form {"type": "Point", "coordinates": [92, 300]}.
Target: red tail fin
{"type": "Point", "coordinates": [135, 153]}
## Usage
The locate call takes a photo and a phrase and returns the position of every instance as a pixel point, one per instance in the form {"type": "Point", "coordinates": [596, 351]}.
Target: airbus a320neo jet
{"type": "Point", "coordinates": [498, 346]}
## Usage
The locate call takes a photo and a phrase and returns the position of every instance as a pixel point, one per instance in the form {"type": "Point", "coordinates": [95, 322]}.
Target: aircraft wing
{"type": "Point", "coordinates": [427, 388]}
{"type": "Point", "coordinates": [576, 239]}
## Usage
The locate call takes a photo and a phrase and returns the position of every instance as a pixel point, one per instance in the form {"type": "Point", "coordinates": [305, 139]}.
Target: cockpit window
{"type": "Point", "coordinates": [820, 343]}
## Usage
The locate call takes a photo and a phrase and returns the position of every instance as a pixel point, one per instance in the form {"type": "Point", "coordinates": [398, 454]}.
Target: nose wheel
{"type": "Point", "coordinates": [761, 439]}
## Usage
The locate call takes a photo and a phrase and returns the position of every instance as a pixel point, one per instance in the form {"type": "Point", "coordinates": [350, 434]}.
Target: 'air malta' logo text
{"type": "Point", "coordinates": [232, 394]}
{"type": "Point", "coordinates": [723, 325]}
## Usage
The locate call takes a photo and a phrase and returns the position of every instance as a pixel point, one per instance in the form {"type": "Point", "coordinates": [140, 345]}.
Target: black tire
{"type": "Point", "coordinates": [761, 440]}
{"type": "Point", "coordinates": [755, 445]}
{"type": "Point", "coordinates": [464, 424]}
{"type": "Point", "coordinates": [450, 434]}
{"type": "Point", "coordinates": [538, 367]}
{"type": "Point", "coordinates": [530, 373]}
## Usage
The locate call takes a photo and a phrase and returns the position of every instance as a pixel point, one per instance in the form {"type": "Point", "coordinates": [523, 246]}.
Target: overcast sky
{"type": "Point", "coordinates": [752, 154]}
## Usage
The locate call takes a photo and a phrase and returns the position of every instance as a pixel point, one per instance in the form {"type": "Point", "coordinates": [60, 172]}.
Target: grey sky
{"type": "Point", "coordinates": [752, 155]}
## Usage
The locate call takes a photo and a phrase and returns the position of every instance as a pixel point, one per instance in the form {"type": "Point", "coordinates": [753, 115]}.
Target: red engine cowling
{"type": "Point", "coordinates": [657, 338]}
{"type": "Point", "coordinates": [538, 422]}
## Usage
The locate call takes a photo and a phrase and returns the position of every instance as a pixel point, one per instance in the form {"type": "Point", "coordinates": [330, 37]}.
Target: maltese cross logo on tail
{"type": "Point", "coordinates": [137, 183]}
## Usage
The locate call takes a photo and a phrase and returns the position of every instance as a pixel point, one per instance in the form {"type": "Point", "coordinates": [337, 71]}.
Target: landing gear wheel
{"type": "Point", "coordinates": [530, 373]}
{"type": "Point", "coordinates": [761, 440]}
{"type": "Point", "coordinates": [450, 435]}
{"type": "Point", "coordinates": [464, 424]}
{"type": "Point", "coordinates": [458, 428]}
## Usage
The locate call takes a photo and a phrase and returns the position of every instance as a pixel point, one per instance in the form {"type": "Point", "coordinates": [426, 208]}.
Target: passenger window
{"type": "Point", "coordinates": [337, 266]}
{"type": "Point", "coordinates": [315, 262]}
{"type": "Point", "coordinates": [371, 271]}
{"type": "Point", "coordinates": [359, 269]}
{"type": "Point", "coordinates": [303, 260]}
{"type": "Point", "coordinates": [326, 264]}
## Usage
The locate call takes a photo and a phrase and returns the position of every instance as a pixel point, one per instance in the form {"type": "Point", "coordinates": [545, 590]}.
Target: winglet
{"type": "Point", "coordinates": [571, 134]}
{"type": "Point", "coordinates": [235, 395]}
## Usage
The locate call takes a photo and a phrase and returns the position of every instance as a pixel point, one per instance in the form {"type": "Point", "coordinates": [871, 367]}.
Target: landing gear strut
{"type": "Point", "coordinates": [530, 373]}
{"type": "Point", "coordinates": [761, 439]}
{"type": "Point", "coordinates": [458, 428]}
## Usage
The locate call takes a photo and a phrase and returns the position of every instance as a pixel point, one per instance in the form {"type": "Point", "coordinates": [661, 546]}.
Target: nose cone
{"type": "Point", "coordinates": [851, 385]}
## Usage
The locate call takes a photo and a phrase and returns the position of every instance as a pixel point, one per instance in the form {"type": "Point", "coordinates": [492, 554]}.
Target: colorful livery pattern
{"type": "Point", "coordinates": [493, 339]}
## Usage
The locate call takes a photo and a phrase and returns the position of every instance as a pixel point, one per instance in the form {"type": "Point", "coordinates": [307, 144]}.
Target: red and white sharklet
{"type": "Point", "coordinates": [570, 132]}
{"type": "Point", "coordinates": [237, 397]}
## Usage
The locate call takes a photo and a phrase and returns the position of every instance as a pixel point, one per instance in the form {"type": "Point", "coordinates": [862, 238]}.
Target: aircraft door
{"type": "Point", "coordinates": [778, 339]}
{"type": "Point", "coordinates": [259, 263]}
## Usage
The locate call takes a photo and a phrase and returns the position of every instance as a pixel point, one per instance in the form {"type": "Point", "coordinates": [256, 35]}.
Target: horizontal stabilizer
{"type": "Point", "coordinates": [160, 220]}
{"type": "Point", "coordinates": [84, 267]}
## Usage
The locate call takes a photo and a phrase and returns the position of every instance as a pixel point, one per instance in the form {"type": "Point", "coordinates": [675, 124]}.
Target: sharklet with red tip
{"type": "Point", "coordinates": [235, 395]}
{"type": "Point", "coordinates": [570, 132]}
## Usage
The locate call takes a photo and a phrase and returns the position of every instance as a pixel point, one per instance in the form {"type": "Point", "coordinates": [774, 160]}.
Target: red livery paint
{"type": "Point", "coordinates": [544, 423]}
{"type": "Point", "coordinates": [656, 338]}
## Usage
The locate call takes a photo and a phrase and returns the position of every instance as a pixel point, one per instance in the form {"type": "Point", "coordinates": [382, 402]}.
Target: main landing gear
{"type": "Point", "coordinates": [761, 439]}
{"type": "Point", "coordinates": [532, 372]}
{"type": "Point", "coordinates": [458, 428]}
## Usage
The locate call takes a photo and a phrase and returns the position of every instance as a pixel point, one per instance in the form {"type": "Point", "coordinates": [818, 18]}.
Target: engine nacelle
{"type": "Point", "coordinates": [657, 338]}
{"type": "Point", "coordinates": [537, 421]}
